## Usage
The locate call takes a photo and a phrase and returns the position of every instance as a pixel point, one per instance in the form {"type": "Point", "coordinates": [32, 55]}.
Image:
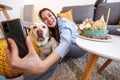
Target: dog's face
{"type": "Point", "coordinates": [40, 33]}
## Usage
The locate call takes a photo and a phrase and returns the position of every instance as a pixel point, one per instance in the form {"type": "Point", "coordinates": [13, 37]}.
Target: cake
{"type": "Point", "coordinates": [94, 29]}
{"type": "Point", "coordinates": [95, 33]}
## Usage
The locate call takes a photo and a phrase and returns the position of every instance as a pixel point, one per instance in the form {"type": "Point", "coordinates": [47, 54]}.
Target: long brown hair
{"type": "Point", "coordinates": [55, 31]}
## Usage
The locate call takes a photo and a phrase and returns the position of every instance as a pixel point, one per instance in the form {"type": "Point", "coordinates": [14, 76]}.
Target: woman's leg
{"type": "Point", "coordinates": [44, 76]}
{"type": "Point", "coordinates": [75, 51]}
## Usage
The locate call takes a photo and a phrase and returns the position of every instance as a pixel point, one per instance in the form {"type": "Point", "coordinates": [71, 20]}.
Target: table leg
{"type": "Point", "coordinates": [5, 13]}
{"type": "Point", "coordinates": [104, 66]}
{"type": "Point", "coordinates": [89, 67]}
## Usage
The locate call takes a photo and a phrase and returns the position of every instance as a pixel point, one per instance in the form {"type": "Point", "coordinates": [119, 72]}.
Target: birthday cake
{"type": "Point", "coordinates": [94, 29]}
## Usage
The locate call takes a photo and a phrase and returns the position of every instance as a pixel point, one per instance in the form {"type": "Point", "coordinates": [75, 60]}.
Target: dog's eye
{"type": "Point", "coordinates": [34, 27]}
{"type": "Point", "coordinates": [43, 26]}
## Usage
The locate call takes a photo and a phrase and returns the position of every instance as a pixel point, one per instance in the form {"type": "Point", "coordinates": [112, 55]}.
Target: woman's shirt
{"type": "Point", "coordinates": [68, 33]}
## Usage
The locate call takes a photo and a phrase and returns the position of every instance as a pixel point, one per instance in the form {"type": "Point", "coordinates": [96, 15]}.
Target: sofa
{"type": "Point", "coordinates": [81, 12]}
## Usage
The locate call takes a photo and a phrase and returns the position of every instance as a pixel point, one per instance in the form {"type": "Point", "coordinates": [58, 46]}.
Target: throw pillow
{"type": "Point", "coordinates": [67, 14]}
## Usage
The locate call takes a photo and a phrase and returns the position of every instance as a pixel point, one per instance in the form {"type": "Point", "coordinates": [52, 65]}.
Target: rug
{"type": "Point", "coordinates": [72, 69]}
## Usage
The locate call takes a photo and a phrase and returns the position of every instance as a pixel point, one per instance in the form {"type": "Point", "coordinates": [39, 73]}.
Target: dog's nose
{"type": "Point", "coordinates": [39, 31]}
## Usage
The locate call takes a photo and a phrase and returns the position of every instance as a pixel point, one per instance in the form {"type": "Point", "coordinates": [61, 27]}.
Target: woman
{"type": "Point", "coordinates": [65, 33]}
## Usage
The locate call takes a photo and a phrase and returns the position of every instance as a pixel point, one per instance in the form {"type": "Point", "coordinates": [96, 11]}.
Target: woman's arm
{"type": "Point", "coordinates": [65, 41]}
{"type": "Point", "coordinates": [31, 63]}
{"type": "Point", "coordinates": [51, 59]}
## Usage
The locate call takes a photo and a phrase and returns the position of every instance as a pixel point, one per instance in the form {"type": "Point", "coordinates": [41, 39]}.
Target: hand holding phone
{"type": "Point", "coordinates": [14, 29]}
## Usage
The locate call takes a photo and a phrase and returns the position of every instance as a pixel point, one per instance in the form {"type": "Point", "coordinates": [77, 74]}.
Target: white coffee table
{"type": "Point", "coordinates": [106, 48]}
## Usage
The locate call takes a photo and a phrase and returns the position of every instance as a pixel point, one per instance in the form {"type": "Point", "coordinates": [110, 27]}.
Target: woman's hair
{"type": "Point", "coordinates": [44, 9]}
{"type": "Point", "coordinates": [55, 31]}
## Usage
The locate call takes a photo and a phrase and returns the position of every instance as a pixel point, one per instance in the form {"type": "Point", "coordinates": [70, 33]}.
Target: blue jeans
{"type": "Point", "coordinates": [75, 52]}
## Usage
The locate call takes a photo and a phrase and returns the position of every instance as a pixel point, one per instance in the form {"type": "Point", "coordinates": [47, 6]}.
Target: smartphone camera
{"type": "Point", "coordinates": [6, 28]}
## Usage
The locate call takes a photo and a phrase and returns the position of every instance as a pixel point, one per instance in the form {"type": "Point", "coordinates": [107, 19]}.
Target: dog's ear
{"type": "Point", "coordinates": [30, 29]}
{"type": "Point", "coordinates": [30, 34]}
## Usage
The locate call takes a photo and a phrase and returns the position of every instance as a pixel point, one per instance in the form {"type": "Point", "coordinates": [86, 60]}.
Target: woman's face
{"type": "Point", "coordinates": [48, 18]}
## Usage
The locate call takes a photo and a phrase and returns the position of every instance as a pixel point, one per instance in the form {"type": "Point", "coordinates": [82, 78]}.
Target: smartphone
{"type": "Point", "coordinates": [14, 29]}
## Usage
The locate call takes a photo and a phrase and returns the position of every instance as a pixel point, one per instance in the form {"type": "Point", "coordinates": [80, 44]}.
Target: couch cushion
{"type": "Point", "coordinates": [114, 29]}
{"type": "Point", "coordinates": [102, 9]}
{"type": "Point", "coordinates": [80, 12]}
{"type": "Point", "coordinates": [67, 15]}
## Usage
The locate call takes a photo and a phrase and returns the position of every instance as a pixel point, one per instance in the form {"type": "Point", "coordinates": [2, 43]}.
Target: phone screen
{"type": "Point", "coordinates": [14, 29]}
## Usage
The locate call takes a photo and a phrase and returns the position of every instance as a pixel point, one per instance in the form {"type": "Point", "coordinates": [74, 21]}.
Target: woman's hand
{"type": "Point", "coordinates": [31, 63]}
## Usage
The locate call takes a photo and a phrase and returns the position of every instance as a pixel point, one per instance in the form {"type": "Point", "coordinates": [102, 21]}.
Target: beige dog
{"type": "Point", "coordinates": [39, 32]}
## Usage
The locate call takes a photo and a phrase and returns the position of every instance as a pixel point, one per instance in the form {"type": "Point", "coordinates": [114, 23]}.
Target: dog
{"type": "Point", "coordinates": [40, 33]}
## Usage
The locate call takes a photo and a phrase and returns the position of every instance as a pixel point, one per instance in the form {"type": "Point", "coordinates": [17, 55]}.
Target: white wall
{"type": "Point", "coordinates": [17, 5]}
{"type": "Point", "coordinates": [55, 5]}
